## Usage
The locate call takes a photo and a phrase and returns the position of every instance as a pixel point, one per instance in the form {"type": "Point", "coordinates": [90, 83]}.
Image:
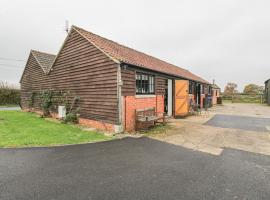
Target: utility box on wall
{"type": "Point", "coordinates": [62, 112]}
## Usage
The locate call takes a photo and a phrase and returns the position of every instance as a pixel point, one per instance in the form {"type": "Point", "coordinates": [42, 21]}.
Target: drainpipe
{"type": "Point", "coordinates": [119, 127]}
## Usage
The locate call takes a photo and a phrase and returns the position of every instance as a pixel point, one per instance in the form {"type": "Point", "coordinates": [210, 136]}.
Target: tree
{"type": "Point", "coordinates": [253, 89]}
{"type": "Point", "coordinates": [230, 88]}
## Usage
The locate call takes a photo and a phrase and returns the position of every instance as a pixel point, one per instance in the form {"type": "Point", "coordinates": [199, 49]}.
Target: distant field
{"type": "Point", "coordinates": [243, 98]}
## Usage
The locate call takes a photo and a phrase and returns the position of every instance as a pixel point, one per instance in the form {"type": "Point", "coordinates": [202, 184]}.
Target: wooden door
{"type": "Point", "coordinates": [181, 98]}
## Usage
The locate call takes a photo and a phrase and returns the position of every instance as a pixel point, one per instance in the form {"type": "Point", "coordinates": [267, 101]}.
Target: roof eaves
{"type": "Point", "coordinates": [162, 72]}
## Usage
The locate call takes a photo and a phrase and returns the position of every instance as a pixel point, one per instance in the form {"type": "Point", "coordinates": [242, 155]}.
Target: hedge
{"type": "Point", "coordinates": [9, 94]}
{"type": "Point", "coordinates": [244, 98]}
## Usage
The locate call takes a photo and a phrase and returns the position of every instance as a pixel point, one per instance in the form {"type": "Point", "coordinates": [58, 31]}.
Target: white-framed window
{"type": "Point", "coordinates": [145, 83]}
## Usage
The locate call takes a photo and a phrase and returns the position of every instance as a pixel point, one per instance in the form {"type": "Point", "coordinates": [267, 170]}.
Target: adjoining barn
{"type": "Point", "coordinates": [112, 81]}
{"type": "Point", "coordinates": [267, 91]}
{"type": "Point", "coordinates": [35, 77]}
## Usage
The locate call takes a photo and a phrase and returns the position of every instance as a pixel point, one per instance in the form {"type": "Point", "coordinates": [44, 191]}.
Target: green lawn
{"type": "Point", "coordinates": [20, 129]}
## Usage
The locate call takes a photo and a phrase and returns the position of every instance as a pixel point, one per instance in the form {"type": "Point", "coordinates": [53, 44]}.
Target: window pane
{"type": "Point", "coordinates": [144, 84]}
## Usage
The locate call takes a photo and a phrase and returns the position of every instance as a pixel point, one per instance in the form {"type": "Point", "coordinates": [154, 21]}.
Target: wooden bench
{"type": "Point", "coordinates": [148, 117]}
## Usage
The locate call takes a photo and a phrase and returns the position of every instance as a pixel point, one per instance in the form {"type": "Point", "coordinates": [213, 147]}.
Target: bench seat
{"type": "Point", "coordinates": [148, 117]}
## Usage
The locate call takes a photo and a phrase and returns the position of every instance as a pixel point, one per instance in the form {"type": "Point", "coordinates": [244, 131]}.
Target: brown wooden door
{"type": "Point", "coordinates": [181, 98]}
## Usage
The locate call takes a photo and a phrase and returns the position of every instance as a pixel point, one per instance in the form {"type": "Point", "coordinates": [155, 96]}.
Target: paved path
{"type": "Point", "coordinates": [131, 169]}
{"type": "Point", "coordinates": [10, 108]}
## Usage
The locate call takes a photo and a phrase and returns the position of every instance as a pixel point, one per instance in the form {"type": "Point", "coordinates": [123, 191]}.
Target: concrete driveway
{"type": "Point", "coordinates": [132, 169]}
{"type": "Point", "coordinates": [238, 126]}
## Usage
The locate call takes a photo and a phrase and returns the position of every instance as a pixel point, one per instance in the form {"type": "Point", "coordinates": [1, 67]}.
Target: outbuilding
{"type": "Point", "coordinates": [111, 80]}
{"type": "Point", "coordinates": [215, 93]}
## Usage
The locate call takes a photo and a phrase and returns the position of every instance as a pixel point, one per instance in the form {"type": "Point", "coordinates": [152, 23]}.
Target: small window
{"type": "Point", "coordinates": [191, 87]}
{"type": "Point", "coordinates": [145, 84]}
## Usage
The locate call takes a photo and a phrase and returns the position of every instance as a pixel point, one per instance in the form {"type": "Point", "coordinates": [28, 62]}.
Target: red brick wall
{"type": "Point", "coordinates": [131, 103]}
{"type": "Point", "coordinates": [202, 98]}
{"type": "Point", "coordinates": [214, 99]}
{"type": "Point", "coordinates": [97, 124]}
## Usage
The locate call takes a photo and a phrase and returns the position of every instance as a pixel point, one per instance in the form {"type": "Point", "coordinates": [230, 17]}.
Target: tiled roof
{"type": "Point", "coordinates": [45, 60]}
{"type": "Point", "coordinates": [215, 86]}
{"type": "Point", "coordinates": [130, 56]}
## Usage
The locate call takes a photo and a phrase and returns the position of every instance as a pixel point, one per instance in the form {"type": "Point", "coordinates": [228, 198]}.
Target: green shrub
{"type": "Point", "coordinates": [72, 117]}
{"type": "Point", "coordinates": [46, 101]}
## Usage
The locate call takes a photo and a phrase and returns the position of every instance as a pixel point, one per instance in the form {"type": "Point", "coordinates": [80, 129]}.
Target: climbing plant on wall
{"type": "Point", "coordinates": [31, 101]}
{"type": "Point", "coordinates": [49, 100]}
{"type": "Point", "coordinates": [46, 101]}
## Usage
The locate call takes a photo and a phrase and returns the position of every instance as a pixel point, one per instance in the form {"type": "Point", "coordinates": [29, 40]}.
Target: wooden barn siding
{"type": "Point", "coordinates": [160, 85]}
{"type": "Point", "coordinates": [86, 72]}
{"type": "Point", "coordinates": [33, 80]}
{"type": "Point", "coordinates": [129, 83]}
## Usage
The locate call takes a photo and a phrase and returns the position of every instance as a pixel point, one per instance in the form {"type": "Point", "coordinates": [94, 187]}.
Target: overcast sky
{"type": "Point", "coordinates": [225, 40]}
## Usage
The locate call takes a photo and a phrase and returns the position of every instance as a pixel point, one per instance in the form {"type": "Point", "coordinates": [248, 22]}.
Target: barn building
{"type": "Point", "coordinates": [111, 80]}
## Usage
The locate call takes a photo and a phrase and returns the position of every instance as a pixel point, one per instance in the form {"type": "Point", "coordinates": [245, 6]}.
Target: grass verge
{"type": "Point", "coordinates": [20, 129]}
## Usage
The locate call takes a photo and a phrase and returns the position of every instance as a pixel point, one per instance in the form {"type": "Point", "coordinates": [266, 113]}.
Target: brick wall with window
{"type": "Point", "coordinates": [140, 91]}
